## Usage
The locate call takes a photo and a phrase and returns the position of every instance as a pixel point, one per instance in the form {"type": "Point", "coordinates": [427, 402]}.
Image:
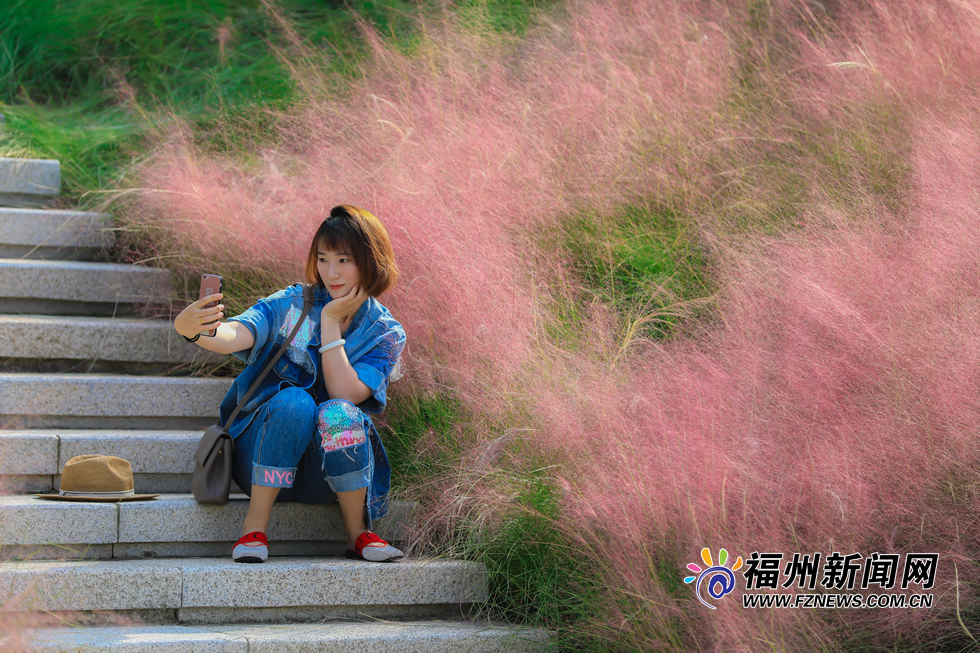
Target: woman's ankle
{"type": "Point", "coordinates": [259, 509]}
{"type": "Point", "coordinates": [252, 528]}
{"type": "Point", "coordinates": [351, 541]}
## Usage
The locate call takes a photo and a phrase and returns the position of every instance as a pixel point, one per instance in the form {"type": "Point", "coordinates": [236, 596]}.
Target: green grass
{"type": "Point", "coordinates": [170, 51]}
{"type": "Point", "coordinates": [645, 262]}
{"type": "Point", "coordinates": [194, 54]}
{"type": "Point", "coordinates": [536, 575]}
{"type": "Point", "coordinates": [68, 69]}
{"type": "Point", "coordinates": [93, 146]}
{"type": "Point", "coordinates": [419, 436]}
{"type": "Point", "coordinates": [874, 150]}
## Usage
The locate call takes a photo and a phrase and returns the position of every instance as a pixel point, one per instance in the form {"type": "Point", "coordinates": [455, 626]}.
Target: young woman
{"type": "Point", "coordinates": [304, 435]}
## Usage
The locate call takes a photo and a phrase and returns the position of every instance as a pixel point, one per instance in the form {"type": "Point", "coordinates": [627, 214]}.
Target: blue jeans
{"type": "Point", "coordinates": [311, 452]}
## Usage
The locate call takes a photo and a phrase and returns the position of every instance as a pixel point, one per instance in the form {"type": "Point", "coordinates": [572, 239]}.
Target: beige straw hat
{"type": "Point", "coordinates": [97, 478]}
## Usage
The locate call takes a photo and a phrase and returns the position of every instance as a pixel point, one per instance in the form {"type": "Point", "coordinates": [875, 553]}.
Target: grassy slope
{"type": "Point", "coordinates": [66, 68]}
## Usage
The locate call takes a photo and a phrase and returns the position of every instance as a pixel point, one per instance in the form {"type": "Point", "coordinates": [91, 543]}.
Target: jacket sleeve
{"type": "Point", "coordinates": [261, 320]}
{"type": "Point", "coordinates": [375, 366]}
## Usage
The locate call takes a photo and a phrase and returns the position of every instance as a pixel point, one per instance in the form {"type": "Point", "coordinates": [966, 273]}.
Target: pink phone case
{"type": "Point", "coordinates": [211, 284]}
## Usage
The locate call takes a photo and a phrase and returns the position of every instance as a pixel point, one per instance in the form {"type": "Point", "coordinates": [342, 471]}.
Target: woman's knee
{"type": "Point", "coordinates": [288, 425]}
{"type": "Point", "coordinates": [294, 405]}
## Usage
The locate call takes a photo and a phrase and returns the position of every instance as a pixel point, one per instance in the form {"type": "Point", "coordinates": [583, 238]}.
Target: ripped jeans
{"type": "Point", "coordinates": [311, 452]}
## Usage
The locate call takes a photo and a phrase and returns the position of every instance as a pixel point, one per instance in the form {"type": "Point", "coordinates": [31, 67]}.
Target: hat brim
{"type": "Point", "coordinates": [59, 497]}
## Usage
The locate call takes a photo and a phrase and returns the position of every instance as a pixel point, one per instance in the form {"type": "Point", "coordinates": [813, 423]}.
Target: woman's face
{"type": "Point", "coordinates": [338, 271]}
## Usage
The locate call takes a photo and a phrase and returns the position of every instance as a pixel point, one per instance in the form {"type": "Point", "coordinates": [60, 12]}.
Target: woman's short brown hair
{"type": "Point", "coordinates": [352, 229]}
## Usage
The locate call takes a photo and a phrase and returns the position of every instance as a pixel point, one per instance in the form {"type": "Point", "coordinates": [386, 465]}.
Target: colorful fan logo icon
{"type": "Point", "coordinates": [719, 579]}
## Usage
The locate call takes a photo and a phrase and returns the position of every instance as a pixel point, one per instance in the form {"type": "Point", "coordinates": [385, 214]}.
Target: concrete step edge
{"type": "Point", "coordinates": [134, 340]}
{"type": "Point", "coordinates": [81, 266]}
{"type": "Point", "coordinates": [80, 287]}
{"type": "Point", "coordinates": [175, 519]}
{"type": "Point", "coordinates": [52, 228]}
{"type": "Point", "coordinates": [31, 460]}
{"type": "Point", "coordinates": [194, 583]}
{"type": "Point", "coordinates": [125, 398]}
{"type": "Point", "coordinates": [45, 451]}
{"type": "Point", "coordinates": [29, 176]}
{"type": "Point", "coordinates": [437, 636]}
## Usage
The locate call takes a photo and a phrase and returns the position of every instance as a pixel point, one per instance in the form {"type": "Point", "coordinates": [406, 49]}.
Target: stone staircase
{"type": "Point", "coordinates": [81, 373]}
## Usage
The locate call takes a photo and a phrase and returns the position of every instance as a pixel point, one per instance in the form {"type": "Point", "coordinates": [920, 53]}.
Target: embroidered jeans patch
{"type": "Point", "coordinates": [273, 476]}
{"type": "Point", "coordinates": [340, 425]}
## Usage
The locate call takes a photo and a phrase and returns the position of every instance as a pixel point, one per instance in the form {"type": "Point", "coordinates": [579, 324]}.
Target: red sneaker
{"type": "Point", "coordinates": [253, 547]}
{"type": "Point", "coordinates": [369, 546]}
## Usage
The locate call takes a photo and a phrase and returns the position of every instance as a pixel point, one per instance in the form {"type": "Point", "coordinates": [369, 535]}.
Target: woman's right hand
{"type": "Point", "coordinates": [196, 319]}
{"type": "Point", "coordinates": [338, 310]}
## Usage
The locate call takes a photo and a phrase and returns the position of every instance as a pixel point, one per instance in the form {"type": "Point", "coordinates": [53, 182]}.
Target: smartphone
{"type": "Point", "coordinates": [211, 284]}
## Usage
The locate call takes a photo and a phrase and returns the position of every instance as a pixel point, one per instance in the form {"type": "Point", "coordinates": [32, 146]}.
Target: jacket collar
{"type": "Point", "coordinates": [359, 316]}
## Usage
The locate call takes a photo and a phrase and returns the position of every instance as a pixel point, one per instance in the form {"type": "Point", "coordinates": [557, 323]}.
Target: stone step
{"type": "Point", "coordinates": [29, 182]}
{"type": "Point", "coordinates": [74, 343]}
{"type": "Point", "coordinates": [77, 287]}
{"type": "Point", "coordinates": [86, 401]}
{"type": "Point", "coordinates": [31, 460]}
{"type": "Point", "coordinates": [51, 234]}
{"type": "Point", "coordinates": [173, 525]}
{"type": "Point", "coordinates": [442, 636]}
{"type": "Point", "coordinates": [221, 591]}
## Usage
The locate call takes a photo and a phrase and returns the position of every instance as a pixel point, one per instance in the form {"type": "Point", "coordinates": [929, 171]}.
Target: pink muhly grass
{"type": "Point", "coordinates": [463, 153]}
{"type": "Point", "coordinates": [834, 411]}
{"type": "Point", "coordinates": [918, 54]}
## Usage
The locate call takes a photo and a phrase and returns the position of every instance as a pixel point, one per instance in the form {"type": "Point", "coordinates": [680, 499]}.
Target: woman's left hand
{"type": "Point", "coordinates": [337, 310]}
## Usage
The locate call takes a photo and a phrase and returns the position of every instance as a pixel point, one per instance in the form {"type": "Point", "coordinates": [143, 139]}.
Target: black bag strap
{"type": "Point", "coordinates": [307, 303]}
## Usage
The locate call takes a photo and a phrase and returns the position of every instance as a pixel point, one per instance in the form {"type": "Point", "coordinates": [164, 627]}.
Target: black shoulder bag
{"type": "Point", "coordinates": [212, 460]}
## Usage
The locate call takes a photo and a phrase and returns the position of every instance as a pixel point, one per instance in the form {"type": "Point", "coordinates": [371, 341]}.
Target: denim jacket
{"type": "Point", "coordinates": [374, 341]}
